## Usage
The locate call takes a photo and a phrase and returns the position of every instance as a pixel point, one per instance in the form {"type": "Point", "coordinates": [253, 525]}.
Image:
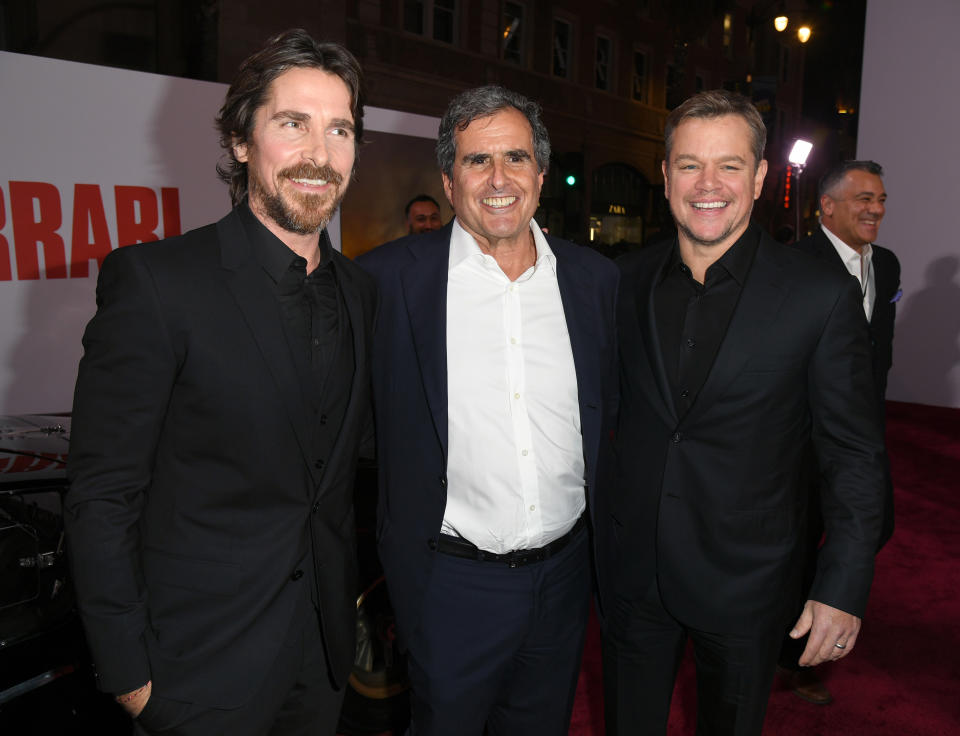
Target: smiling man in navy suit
{"type": "Point", "coordinates": [494, 365]}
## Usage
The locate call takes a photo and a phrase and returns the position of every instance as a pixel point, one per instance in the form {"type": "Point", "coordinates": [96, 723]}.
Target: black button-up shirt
{"type": "Point", "coordinates": [692, 318]}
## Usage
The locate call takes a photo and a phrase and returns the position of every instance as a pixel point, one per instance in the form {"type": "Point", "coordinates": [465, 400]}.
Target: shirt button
{"type": "Point", "coordinates": [316, 342]}
{"type": "Point", "coordinates": [684, 394]}
{"type": "Point", "coordinates": [297, 574]}
{"type": "Point", "coordinates": [316, 507]}
{"type": "Point", "coordinates": [524, 453]}
{"type": "Point", "coordinates": [676, 437]}
{"type": "Point", "coordinates": [318, 464]}
{"type": "Point", "coordinates": [323, 419]}
{"type": "Point", "coordinates": [513, 341]}
{"type": "Point", "coordinates": [533, 508]}
{"type": "Point", "coordinates": [516, 395]}
{"type": "Point", "coordinates": [691, 342]}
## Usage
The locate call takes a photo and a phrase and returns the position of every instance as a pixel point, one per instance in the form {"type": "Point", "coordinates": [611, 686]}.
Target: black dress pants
{"type": "Point", "coordinates": [642, 648]}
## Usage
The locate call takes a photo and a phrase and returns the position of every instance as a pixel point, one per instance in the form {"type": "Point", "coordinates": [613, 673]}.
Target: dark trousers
{"type": "Point", "coordinates": [499, 647]}
{"type": "Point", "coordinates": [642, 648]}
{"type": "Point", "coordinates": [295, 699]}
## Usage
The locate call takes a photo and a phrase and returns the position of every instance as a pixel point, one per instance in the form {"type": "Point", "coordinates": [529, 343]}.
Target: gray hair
{"type": "Point", "coordinates": [834, 176]}
{"type": "Point", "coordinates": [482, 102]}
{"type": "Point", "coordinates": [715, 103]}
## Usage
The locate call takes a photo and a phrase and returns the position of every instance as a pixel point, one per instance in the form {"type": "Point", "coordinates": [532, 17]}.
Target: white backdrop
{"type": "Point", "coordinates": [909, 113]}
{"type": "Point", "coordinates": [139, 152]}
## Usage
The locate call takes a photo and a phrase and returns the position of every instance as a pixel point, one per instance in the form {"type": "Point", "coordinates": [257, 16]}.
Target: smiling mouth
{"type": "Point", "coordinates": [310, 182]}
{"type": "Point", "coordinates": [497, 202]}
{"type": "Point", "coordinates": [709, 205]}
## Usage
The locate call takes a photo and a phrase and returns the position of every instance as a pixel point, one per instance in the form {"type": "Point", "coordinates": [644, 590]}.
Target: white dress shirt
{"type": "Point", "coordinates": [859, 265]}
{"type": "Point", "coordinates": [515, 470]}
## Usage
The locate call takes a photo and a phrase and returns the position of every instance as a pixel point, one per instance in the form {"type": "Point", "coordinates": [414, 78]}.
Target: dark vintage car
{"type": "Point", "coordinates": [46, 676]}
{"type": "Point", "coordinates": [46, 679]}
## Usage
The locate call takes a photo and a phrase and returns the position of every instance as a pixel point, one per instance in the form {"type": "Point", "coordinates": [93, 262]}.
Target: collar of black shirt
{"type": "Point", "coordinates": [271, 252]}
{"type": "Point", "coordinates": [735, 262]}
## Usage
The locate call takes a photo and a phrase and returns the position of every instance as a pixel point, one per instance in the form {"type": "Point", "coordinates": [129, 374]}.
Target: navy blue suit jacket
{"type": "Point", "coordinates": [410, 391]}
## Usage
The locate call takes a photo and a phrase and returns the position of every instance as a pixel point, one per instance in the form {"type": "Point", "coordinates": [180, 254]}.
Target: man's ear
{"type": "Point", "coordinates": [826, 205]}
{"type": "Point", "coordinates": [239, 149]}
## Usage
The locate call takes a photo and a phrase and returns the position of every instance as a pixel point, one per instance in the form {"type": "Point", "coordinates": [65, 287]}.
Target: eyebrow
{"type": "Point", "coordinates": [302, 117]}
{"type": "Point", "coordinates": [691, 157]}
{"type": "Point", "coordinates": [516, 153]}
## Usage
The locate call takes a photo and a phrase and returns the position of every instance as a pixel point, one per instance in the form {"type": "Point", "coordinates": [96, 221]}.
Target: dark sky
{"type": "Point", "coordinates": [833, 58]}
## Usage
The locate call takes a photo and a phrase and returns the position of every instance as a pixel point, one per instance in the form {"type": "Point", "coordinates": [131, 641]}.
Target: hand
{"type": "Point", "coordinates": [833, 633]}
{"type": "Point", "coordinates": [136, 700]}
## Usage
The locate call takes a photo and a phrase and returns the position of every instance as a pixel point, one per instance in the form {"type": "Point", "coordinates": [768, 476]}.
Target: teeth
{"type": "Point", "coordinates": [709, 205]}
{"type": "Point", "coordinates": [311, 182]}
{"type": "Point", "coordinates": [499, 201]}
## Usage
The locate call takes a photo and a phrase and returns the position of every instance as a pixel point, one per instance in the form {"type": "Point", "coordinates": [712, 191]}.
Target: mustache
{"type": "Point", "coordinates": [310, 171]}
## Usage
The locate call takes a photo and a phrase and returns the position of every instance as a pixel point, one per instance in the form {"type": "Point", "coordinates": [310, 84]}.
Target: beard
{"type": "Point", "coordinates": [298, 212]}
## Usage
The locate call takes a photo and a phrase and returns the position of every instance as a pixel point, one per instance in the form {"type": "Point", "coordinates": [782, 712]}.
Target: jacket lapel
{"type": "Point", "coordinates": [583, 325]}
{"type": "Point", "coordinates": [424, 283]}
{"type": "Point", "coordinates": [650, 337]}
{"type": "Point", "coordinates": [245, 281]}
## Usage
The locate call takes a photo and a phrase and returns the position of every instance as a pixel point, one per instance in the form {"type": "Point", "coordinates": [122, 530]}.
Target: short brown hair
{"type": "Point", "coordinates": [715, 103]}
{"type": "Point", "coordinates": [291, 49]}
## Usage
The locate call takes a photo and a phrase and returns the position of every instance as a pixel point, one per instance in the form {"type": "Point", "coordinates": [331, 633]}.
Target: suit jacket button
{"type": "Point", "coordinates": [318, 465]}
{"type": "Point", "coordinates": [676, 437]}
{"type": "Point", "coordinates": [297, 574]}
{"type": "Point", "coordinates": [316, 507]}
{"type": "Point", "coordinates": [432, 544]}
{"type": "Point", "coordinates": [443, 481]}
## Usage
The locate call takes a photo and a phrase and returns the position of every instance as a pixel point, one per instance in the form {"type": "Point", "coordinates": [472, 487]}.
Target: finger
{"type": "Point", "coordinates": [803, 623]}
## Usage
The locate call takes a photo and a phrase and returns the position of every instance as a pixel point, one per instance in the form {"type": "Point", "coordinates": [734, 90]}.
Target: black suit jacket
{"type": "Point", "coordinates": [712, 504]}
{"type": "Point", "coordinates": [195, 494]}
{"type": "Point", "coordinates": [410, 391]}
{"type": "Point", "coordinates": [886, 270]}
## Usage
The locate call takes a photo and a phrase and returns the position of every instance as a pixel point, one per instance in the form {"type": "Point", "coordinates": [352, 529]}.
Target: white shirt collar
{"type": "Point", "coordinates": [463, 246]}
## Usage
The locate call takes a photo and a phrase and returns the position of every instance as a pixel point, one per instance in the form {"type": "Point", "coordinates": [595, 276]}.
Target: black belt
{"type": "Point", "coordinates": [459, 547]}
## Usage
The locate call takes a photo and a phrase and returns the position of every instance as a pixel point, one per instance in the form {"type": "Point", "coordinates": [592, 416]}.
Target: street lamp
{"type": "Point", "coordinates": [803, 33]}
{"type": "Point", "coordinates": [780, 23]}
{"type": "Point", "coordinates": [798, 159]}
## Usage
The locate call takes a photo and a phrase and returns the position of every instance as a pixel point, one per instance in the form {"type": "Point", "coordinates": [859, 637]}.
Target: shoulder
{"type": "Point", "coordinates": [384, 259]}
{"type": "Point", "coordinates": [568, 252]}
{"type": "Point", "coordinates": [638, 262]}
{"type": "Point", "coordinates": [184, 252]}
{"type": "Point", "coordinates": [354, 274]}
{"type": "Point", "coordinates": [797, 261]}
{"type": "Point", "coordinates": [885, 256]}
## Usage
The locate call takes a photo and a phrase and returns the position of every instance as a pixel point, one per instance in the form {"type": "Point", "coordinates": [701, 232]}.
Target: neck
{"type": "Point", "coordinates": [514, 255]}
{"type": "Point", "coordinates": [699, 257]}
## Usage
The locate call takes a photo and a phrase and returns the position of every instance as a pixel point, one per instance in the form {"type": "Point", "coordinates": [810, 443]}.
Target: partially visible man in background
{"type": "Point", "coordinates": [852, 204]}
{"type": "Point", "coordinates": [422, 214]}
{"type": "Point", "coordinates": [219, 407]}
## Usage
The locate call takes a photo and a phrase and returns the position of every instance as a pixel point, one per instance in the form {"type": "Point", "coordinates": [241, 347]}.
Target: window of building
{"type": "Point", "coordinates": [562, 49]}
{"type": "Point", "coordinates": [434, 19]}
{"type": "Point", "coordinates": [640, 72]}
{"type": "Point", "coordinates": [603, 67]}
{"type": "Point", "coordinates": [512, 24]}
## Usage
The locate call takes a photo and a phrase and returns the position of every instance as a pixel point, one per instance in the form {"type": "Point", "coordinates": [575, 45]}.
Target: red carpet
{"type": "Point", "coordinates": [903, 679]}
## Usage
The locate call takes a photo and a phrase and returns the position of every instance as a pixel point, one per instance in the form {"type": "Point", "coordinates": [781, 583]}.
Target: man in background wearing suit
{"type": "Point", "coordinates": [494, 363]}
{"type": "Point", "coordinates": [422, 214]}
{"type": "Point", "coordinates": [736, 352]}
{"type": "Point", "coordinates": [219, 407]}
{"type": "Point", "coordinates": [852, 204]}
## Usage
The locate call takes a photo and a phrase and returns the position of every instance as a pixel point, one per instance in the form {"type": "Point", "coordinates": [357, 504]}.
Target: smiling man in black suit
{"type": "Point", "coordinates": [737, 354]}
{"type": "Point", "coordinates": [219, 407]}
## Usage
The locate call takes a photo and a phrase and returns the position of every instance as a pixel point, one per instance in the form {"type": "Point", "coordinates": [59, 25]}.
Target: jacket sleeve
{"type": "Point", "coordinates": [848, 442]}
{"type": "Point", "coordinates": [124, 382]}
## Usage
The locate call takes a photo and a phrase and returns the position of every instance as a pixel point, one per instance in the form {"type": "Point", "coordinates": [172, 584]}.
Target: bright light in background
{"type": "Point", "coordinates": [801, 149]}
{"type": "Point", "coordinates": [803, 33]}
{"type": "Point", "coordinates": [780, 23]}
